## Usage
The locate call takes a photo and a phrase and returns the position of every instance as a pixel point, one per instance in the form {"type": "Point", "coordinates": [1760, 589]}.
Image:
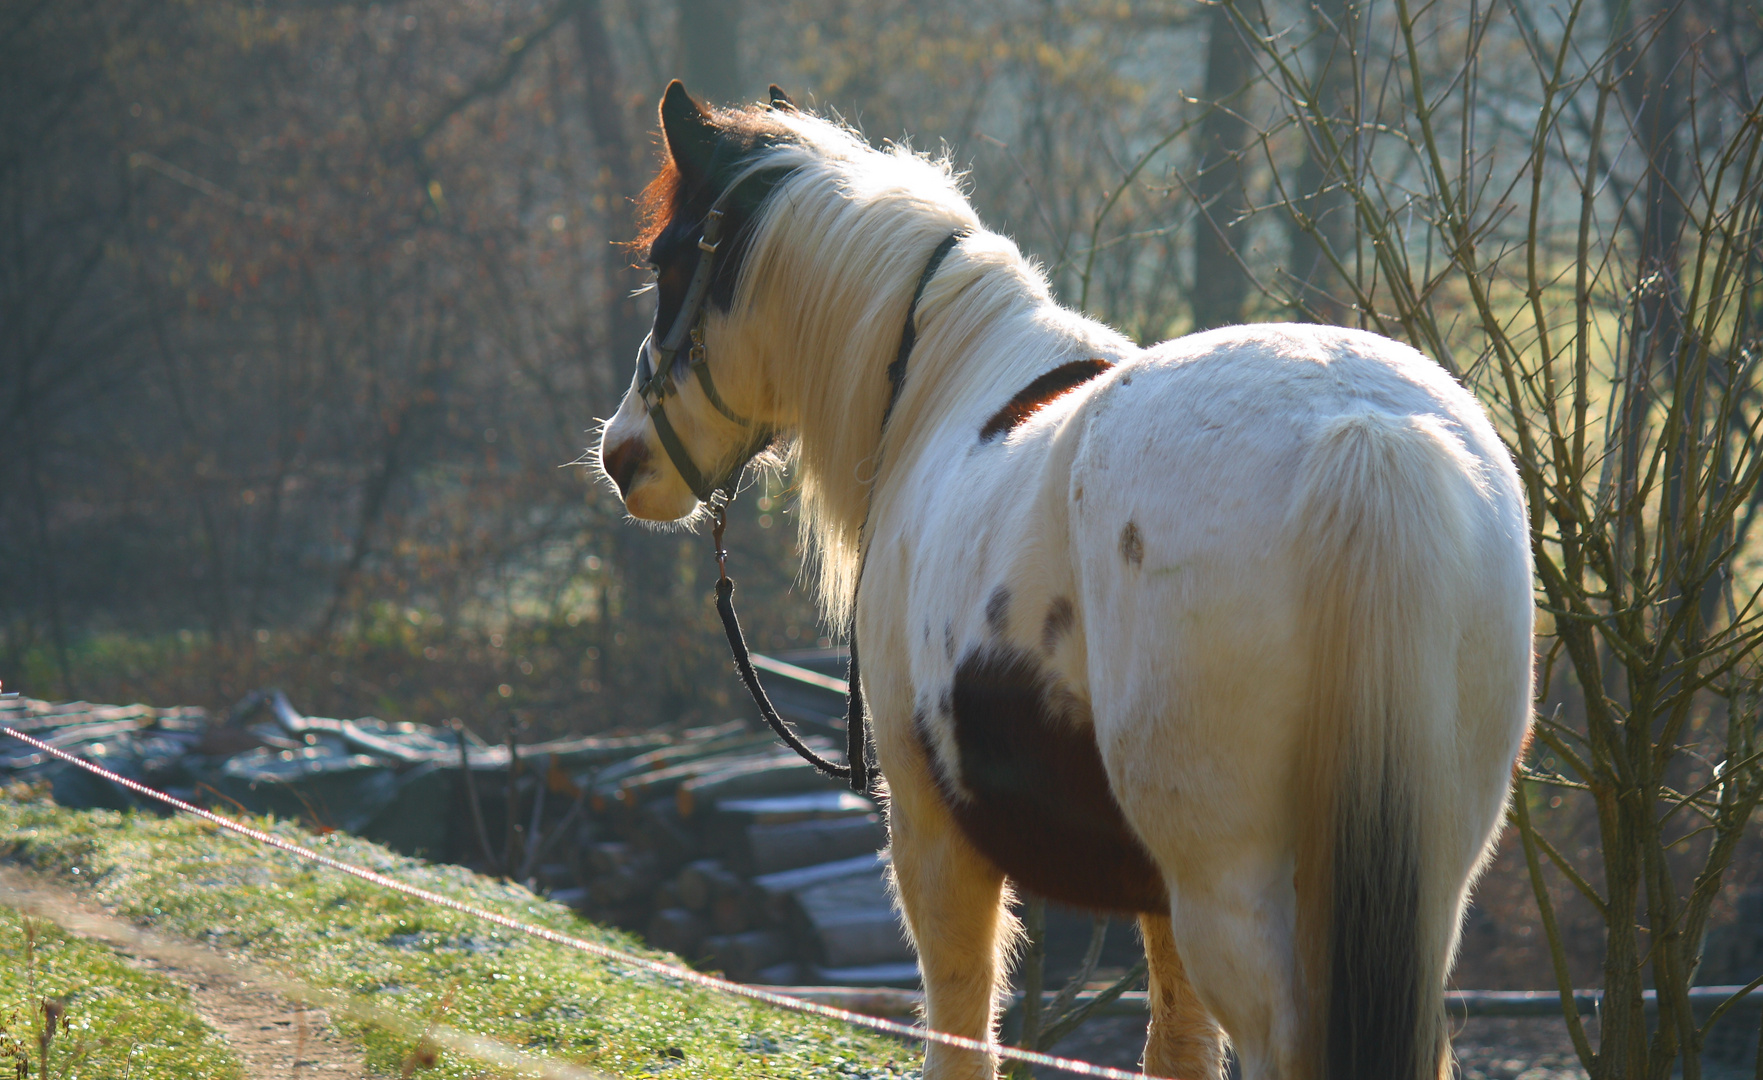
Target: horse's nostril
{"type": "Point", "coordinates": [622, 462]}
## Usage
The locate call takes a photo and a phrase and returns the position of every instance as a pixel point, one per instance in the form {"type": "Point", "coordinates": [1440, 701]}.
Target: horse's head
{"type": "Point", "coordinates": [691, 420]}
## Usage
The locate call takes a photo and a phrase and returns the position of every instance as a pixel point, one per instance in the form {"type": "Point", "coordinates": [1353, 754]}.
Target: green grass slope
{"type": "Point", "coordinates": [189, 879]}
{"type": "Point", "coordinates": [114, 1021]}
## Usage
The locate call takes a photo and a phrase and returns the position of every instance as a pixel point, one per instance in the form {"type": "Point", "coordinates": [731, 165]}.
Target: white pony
{"type": "Point", "coordinates": [1232, 633]}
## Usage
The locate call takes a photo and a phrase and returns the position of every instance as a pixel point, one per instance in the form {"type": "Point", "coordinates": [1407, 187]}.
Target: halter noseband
{"type": "Point", "coordinates": [655, 372]}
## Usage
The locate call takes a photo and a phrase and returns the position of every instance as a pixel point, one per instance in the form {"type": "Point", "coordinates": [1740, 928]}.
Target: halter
{"type": "Point", "coordinates": [655, 373]}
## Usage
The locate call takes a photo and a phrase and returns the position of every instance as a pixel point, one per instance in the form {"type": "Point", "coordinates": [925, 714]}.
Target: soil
{"type": "Point", "coordinates": [275, 1038]}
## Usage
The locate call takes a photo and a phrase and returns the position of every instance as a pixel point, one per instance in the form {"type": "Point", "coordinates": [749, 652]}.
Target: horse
{"type": "Point", "coordinates": [1231, 633]}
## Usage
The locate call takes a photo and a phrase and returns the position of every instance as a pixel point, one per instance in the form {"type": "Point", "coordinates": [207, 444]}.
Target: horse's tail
{"type": "Point", "coordinates": [1381, 521]}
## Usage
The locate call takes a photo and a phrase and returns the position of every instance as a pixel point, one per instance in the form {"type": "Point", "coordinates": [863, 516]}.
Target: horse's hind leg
{"type": "Point", "coordinates": [953, 899]}
{"type": "Point", "coordinates": [1183, 1041]}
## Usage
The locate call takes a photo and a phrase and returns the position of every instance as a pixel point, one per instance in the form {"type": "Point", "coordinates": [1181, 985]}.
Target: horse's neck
{"type": "Point", "coordinates": [979, 328]}
{"type": "Point", "coordinates": [831, 289]}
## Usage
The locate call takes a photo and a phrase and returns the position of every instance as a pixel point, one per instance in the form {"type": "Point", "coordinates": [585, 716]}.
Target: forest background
{"type": "Point", "coordinates": [307, 309]}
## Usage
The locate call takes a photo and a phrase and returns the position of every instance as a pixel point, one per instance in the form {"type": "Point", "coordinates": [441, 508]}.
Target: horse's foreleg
{"type": "Point", "coordinates": [1184, 1041]}
{"type": "Point", "coordinates": [953, 901]}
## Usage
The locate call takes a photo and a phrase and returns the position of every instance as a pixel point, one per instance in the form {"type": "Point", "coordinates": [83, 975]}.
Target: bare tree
{"type": "Point", "coordinates": [1598, 289]}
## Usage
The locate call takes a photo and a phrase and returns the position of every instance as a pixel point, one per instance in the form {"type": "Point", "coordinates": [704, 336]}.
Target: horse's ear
{"type": "Point", "coordinates": [780, 100]}
{"type": "Point", "coordinates": [690, 132]}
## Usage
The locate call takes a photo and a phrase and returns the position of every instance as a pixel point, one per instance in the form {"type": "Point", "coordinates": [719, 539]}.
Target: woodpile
{"type": "Point", "coordinates": [716, 843]}
{"type": "Point", "coordinates": [749, 863]}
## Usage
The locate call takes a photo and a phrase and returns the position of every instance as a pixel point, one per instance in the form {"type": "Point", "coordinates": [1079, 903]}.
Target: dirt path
{"type": "Point", "coordinates": [277, 1039]}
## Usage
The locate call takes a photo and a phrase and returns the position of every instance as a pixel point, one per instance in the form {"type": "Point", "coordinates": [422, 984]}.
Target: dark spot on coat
{"type": "Point", "coordinates": [949, 641]}
{"type": "Point", "coordinates": [946, 703]}
{"type": "Point", "coordinates": [1047, 387]}
{"type": "Point", "coordinates": [1132, 544]}
{"type": "Point", "coordinates": [998, 609]}
{"type": "Point", "coordinates": [1060, 616]}
{"type": "Point", "coordinates": [1033, 795]}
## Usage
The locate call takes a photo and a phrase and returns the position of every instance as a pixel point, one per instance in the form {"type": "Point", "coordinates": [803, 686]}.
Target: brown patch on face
{"type": "Point", "coordinates": [1033, 795]}
{"type": "Point", "coordinates": [1035, 396]}
{"type": "Point", "coordinates": [703, 148]}
{"type": "Point", "coordinates": [1060, 617]}
{"type": "Point", "coordinates": [998, 609]}
{"type": "Point", "coordinates": [1132, 544]}
{"type": "Point", "coordinates": [655, 206]}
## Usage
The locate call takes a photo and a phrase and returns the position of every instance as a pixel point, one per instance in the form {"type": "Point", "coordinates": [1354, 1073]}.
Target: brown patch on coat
{"type": "Point", "coordinates": [1132, 544]}
{"type": "Point", "coordinates": [1060, 617]}
{"type": "Point", "coordinates": [1032, 793]}
{"type": "Point", "coordinates": [1046, 388]}
{"type": "Point", "coordinates": [998, 609]}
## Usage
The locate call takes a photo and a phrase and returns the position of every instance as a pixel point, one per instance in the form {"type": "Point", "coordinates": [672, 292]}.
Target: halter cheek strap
{"type": "Point", "coordinates": [655, 374]}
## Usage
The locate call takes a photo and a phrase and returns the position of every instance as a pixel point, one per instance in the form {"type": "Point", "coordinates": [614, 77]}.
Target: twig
{"type": "Point", "coordinates": [1092, 955]}
{"type": "Point", "coordinates": [1083, 299]}
{"type": "Point", "coordinates": [561, 829]}
{"type": "Point", "coordinates": [1551, 930]}
{"type": "Point", "coordinates": [1070, 1022]}
{"type": "Point", "coordinates": [533, 834]}
{"type": "Point", "coordinates": [477, 810]}
{"type": "Point", "coordinates": [510, 855]}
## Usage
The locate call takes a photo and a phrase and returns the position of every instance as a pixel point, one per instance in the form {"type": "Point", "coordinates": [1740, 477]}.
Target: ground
{"type": "Point", "coordinates": [415, 971]}
{"type": "Point", "coordinates": [271, 1036]}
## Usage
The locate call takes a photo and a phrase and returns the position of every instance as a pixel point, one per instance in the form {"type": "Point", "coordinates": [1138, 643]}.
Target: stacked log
{"type": "Point", "coordinates": [743, 859]}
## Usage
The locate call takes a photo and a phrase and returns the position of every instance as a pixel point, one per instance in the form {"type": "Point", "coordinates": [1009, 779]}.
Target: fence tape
{"type": "Point", "coordinates": [603, 952]}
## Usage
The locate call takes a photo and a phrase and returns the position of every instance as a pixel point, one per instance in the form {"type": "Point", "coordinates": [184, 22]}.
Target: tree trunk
{"type": "Point", "coordinates": [1221, 284]}
{"type": "Point", "coordinates": [1320, 199]}
{"type": "Point", "coordinates": [618, 175]}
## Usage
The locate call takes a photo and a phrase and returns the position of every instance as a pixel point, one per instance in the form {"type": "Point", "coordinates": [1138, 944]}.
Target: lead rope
{"type": "Point", "coordinates": [857, 768]}
{"type": "Point", "coordinates": [857, 771]}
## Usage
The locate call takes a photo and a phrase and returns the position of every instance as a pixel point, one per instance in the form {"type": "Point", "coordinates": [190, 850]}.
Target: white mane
{"type": "Point", "coordinates": [837, 251]}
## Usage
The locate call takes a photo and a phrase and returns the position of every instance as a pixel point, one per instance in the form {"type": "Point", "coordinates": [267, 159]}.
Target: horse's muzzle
{"type": "Point", "coordinates": [621, 462]}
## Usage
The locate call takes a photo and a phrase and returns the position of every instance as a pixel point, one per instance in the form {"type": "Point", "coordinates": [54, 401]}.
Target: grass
{"type": "Point", "coordinates": [114, 1021]}
{"type": "Point", "coordinates": [188, 879]}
